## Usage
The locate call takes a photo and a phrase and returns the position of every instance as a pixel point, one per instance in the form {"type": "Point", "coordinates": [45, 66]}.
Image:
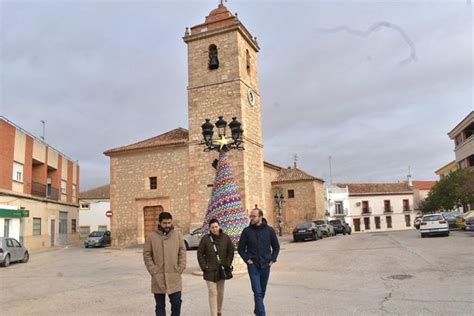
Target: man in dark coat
{"type": "Point", "coordinates": [259, 248]}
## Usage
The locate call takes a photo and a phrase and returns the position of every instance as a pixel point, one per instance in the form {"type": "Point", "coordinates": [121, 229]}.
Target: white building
{"type": "Point", "coordinates": [338, 204]}
{"type": "Point", "coordinates": [378, 206]}
{"type": "Point", "coordinates": [10, 217]}
{"type": "Point", "coordinates": [93, 206]}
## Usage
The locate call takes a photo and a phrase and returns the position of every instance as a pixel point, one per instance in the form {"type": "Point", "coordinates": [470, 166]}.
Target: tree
{"type": "Point", "coordinates": [453, 191]}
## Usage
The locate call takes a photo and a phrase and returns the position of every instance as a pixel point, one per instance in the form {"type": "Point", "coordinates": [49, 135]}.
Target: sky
{"type": "Point", "coordinates": [375, 85]}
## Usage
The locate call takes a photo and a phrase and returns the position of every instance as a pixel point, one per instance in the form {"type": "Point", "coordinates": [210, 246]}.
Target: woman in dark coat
{"type": "Point", "coordinates": [209, 264]}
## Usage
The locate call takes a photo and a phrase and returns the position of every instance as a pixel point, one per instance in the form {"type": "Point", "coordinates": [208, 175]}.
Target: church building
{"type": "Point", "coordinates": [171, 172]}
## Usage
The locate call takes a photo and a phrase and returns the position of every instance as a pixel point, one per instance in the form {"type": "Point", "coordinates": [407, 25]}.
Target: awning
{"type": "Point", "coordinates": [14, 213]}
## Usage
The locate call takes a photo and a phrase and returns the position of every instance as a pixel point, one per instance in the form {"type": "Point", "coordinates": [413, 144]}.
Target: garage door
{"type": "Point", "coordinates": [151, 214]}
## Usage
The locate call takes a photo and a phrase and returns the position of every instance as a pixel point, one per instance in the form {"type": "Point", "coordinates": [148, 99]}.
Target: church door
{"type": "Point", "coordinates": [151, 214]}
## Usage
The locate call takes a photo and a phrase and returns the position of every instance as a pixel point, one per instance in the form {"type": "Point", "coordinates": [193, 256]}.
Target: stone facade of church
{"type": "Point", "coordinates": [172, 172]}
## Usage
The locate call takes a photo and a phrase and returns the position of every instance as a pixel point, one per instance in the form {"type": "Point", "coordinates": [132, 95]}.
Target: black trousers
{"type": "Point", "coordinates": [175, 301]}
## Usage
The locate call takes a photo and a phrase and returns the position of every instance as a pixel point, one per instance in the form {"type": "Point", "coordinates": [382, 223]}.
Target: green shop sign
{"type": "Point", "coordinates": [14, 213]}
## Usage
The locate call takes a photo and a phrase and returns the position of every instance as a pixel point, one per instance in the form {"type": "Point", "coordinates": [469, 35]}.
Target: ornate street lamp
{"type": "Point", "coordinates": [222, 143]}
{"type": "Point", "coordinates": [279, 201]}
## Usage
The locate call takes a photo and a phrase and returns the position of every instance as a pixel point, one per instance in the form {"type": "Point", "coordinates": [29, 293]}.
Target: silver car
{"type": "Point", "coordinates": [11, 250]}
{"type": "Point", "coordinates": [192, 240]}
{"type": "Point", "coordinates": [326, 228]}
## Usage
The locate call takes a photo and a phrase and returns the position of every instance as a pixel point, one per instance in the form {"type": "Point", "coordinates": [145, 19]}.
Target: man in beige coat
{"type": "Point", "coordinates": [165, 259]}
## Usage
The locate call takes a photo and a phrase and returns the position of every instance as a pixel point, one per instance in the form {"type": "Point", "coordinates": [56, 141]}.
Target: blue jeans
{"type": "Point", "coordinates": [259, 279]}
{"type": "Point", "coordinates": [175, 300]}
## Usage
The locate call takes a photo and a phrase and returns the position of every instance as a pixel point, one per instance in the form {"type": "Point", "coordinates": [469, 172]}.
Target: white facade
{"type": "Point", "coordinates": [371, 213]}
{"type": "Point", "coordinates": [92, 215]}
{"type": "Point", "coordinates": [10, 226]}
{"type": "Point", "coordinates": [338, 204]}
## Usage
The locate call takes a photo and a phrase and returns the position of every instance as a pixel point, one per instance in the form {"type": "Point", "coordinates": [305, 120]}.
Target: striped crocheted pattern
{"type": "Point", "coordinates": [225, 203]}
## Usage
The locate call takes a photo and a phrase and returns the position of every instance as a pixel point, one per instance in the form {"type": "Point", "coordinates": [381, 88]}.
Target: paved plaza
{"type": "Point", "coordinates": [364, 274]}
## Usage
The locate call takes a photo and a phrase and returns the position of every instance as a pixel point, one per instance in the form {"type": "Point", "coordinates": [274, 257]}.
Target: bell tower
{"type": "Point", "coordinates": [223, 81]}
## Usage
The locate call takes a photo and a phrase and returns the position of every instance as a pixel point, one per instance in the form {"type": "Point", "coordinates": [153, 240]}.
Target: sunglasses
{"type": "Point", "coordinates": [252, 216]}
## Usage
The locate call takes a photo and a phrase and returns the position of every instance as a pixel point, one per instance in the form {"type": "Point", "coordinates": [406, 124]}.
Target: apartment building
{"type": "Point", "coordinates": [38, 190]}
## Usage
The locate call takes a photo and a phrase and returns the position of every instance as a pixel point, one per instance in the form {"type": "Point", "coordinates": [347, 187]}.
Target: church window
{"type": "Point", "coordinates": [291, 194]}
{"type": "Point", "coordinates": [213, 58]}
{"type": "Point", "coordinates": [153, 183]}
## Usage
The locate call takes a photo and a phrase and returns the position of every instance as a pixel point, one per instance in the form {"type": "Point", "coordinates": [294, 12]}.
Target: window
{"type": "Point", "coordinates": [73, 190]}
{"type": "Point", "coordinates": [367, 223]}
{"type": "Point", "coordinates": [17, 172]}
{"type": "Point", "coordinates": [406, 205]}
{"type": "Point", "coordinates": [339, 207]}
{"type": "Point", "coordinates": [291, 194]}
{"type": "Point", "coordinates": [6, 228]}
{"type": "Point", "coordinates": [407, 220]}
{"type": "Point", "coordinates": [153, 183]}
{"type": "Point", "coordinates": [377, 222]}
{"type": "Point", "coordinates": [73, 226]}
{"type": "Point", "coordinates": [387, 206]}
{"type": "Point", "coordinates": [63, 186]}
{"type": "Point", "coordinates": [36, 226]}
{"type": "Point", "coordinates": [84, 206]}
{"type": "Point", "coordinates": [102, 228]}
{"type": "Point", "coordinates": [389, 221]}
{"type": "Point", "coordinates": [213, 58]}
{"type": "Point", "coordinates": [9, 243]}
{"type": "Point", "coordinates": [16, 243]}
{"type": "Point", "coordinates": [365, 207]}
{"type": "Point", "coordinates": [84, 231]}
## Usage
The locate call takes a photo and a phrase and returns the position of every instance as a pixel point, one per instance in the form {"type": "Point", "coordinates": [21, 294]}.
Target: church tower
{"type": "Point", "coordinates": [223, 81]}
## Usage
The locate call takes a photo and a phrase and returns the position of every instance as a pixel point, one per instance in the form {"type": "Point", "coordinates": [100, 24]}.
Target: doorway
{"type": "Point", "coordinates": [357, 224]}
{"type": "Point", "coordinates": [150, 216]}
{"type": "Point", "coordinates": [53, 232]}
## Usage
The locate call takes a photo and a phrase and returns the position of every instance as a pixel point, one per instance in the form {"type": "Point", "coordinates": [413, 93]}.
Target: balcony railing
{"type": "Point", "coordinates": [388, 209]}
{"type": "Point", "coordinates": [38, 189]}
{"type": "Point", "coordinates": [407, 209]}
{"type": "Point", "coordinates": [366, 210]}
{"type": "Point", "coordinates": [53, 194]}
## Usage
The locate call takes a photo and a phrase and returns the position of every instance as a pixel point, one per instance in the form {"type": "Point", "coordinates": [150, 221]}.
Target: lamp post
{"type": "Point", "coordinates": [222, 143]}
{"type": "Point", "coordinates": [279, 201]}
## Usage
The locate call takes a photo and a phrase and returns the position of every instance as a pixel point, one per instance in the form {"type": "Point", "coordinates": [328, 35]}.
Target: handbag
{"type": "Point", "coordinates": [225, 273]}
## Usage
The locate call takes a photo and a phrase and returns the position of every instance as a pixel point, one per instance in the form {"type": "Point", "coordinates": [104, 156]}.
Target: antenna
{"type": "Point", "coordinates": [44, 130]}
{"type": "Point", "coordinates": [295, 160]}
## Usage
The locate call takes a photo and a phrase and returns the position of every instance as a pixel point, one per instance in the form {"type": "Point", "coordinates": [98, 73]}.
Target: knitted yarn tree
{"type": "Point", "coordinates": [225, 204]}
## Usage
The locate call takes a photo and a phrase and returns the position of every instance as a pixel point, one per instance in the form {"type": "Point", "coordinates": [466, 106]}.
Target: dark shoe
{"type": "Point", "coordinates": [219, 314]}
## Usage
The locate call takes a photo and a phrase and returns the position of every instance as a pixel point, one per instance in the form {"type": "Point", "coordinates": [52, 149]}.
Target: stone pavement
{"type": "Point", "coordinates": [364, 274]}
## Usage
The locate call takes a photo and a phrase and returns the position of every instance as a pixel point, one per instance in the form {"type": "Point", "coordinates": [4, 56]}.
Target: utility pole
{"type": "Point", "coordinates": [330, 171]}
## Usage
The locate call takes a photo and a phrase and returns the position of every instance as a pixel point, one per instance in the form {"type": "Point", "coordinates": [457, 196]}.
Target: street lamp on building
{"type": "Point", "coordinates": [279, 201]}
{"type": "Point", "coordinates": [222, 143]}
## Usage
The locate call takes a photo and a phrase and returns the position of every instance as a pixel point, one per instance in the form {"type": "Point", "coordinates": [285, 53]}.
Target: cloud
{"type": "Point", "coordinates": [109, 73]}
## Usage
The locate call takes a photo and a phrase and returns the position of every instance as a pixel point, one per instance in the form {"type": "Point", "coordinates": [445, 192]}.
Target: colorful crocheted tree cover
{"type": "Point", "coordinates": [225, 203]}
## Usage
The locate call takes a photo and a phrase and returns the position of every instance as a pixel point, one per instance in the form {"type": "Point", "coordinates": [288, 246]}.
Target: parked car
{"type": "Point", "coordinates": [434, 224]}
{"type": "Point", "coordinates": [307, 230]}
{"type": "Point", "coordinates": [341, 227]}
{"type": "Point", "coordinates": [469, 224]}
{"type": "Point", "coordinates": [451, 218]}
{"type": "Point", "coordinates": [11, 250]}
{"type": "Point", "coordinates": [461, 219]}
{"type": "Point", "coordinates": [98, 239]}
{"type": "Point", "coordinates": [417, 221]}
{"type": "Point", "coordinates": [326, 228]}
{"type": "Point", "coordinates": [192, 240]}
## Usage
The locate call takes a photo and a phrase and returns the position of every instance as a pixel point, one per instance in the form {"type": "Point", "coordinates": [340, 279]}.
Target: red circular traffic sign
{"type": "Point", "coordinates": [108, 213]}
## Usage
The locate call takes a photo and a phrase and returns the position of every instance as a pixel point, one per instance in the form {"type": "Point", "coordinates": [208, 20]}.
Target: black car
{"type": "Point", "coordinates": [98, 239]}
{"type": "Point", "coordinates": [307, 230]}
{"type": "Point", "coordinates": [340, 227]}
